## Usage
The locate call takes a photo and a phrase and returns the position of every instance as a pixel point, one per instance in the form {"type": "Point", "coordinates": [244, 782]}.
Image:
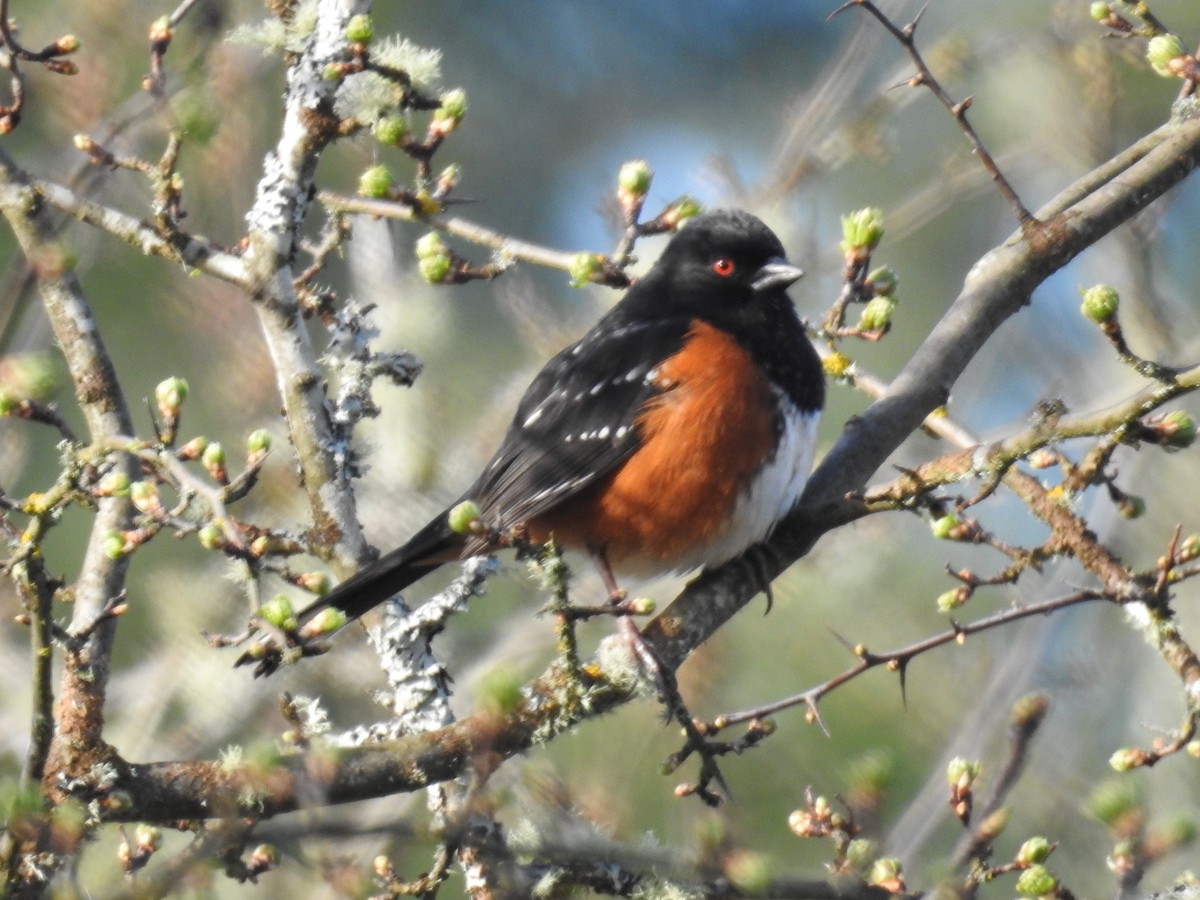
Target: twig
{"type": "Point", "coordinates": [906, 36]}
{"type": "Point", "coordinates": [897, 660]}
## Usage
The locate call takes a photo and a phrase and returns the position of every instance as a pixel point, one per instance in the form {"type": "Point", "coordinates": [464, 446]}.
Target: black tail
{"type": "Point", "coordinates": [428, 549]}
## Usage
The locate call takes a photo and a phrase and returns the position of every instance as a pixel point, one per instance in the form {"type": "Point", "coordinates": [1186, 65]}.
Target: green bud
{"type": "Point", "coordinates": [1177, 831]}
{"type": "Point", "coordinates": [885, 871]}
{"type": "Point", "coordinates": [1112, 800]}
{"type": "Point", "coordinates": [144, 495]}
{"type": "Point", "coordinates": [862, 231]}
{"type": "Point", "coordinates": [213, 459]}
{"type": "Point", "coordinates": [500, 689]}
{"type": "Point", "coordinates": [1189, 548]}
{"type": "Point", "coordinates": [749, 872]}
{"type": "Point", "coordinates": [160, 29]}
{"type": "Point", "coordinates": [883, 281]}
{"type": "Point", "coordinates": [1029, 710]}
{"type": "Point", "coordinates": [258, 442]}
{"type": "Point", "coordinates": [453, 108]}
{"type": "Point", "coordinates": [1034, 850]}
{"type": "Point", "coordinates": [945, 526]}
{"type": "Point", "coordinates": [860, 852]}
{"type": "Point", "coordinates": [113, 484]}
{"type": "Point", "coordinates": [836, 364]}
{"type": "Point", "coordinates": [391, 130]}
{"type": "Point", "coordinates": [950, 600]}
{"type": "Point", "coordinates": [433, 258]}
{"type": "Point", "coordinates": [634, 179]}
{"type": "Point", "coordinates": [327, 621]}
{"type": "Point", "coordinates": [465, 517]}
{"type": "Point", "coordinates": [1161, 53]}
{"type": "Point", "coordinates": [642, 606]}
{"type": "Point", "coordinates": [376, 183]}
{"type": "Point", "coordinates": [278, 611]}
{"type": "Point", "coordinates": [1179, 429]}
{"type": "Point", "coordinates": [1036, 881]}
{"type": "Point", "coordinates": [962, 772]}
{"type": "Point", "coordinates": [1100, 11]}
{"type": "Point", "coordinates": [681, 210]}
{"type": "Point", "coordinates": [877, 314]}
{"type": "Point", "coordinates": [147, 837]}
{"type": "Point", "coordinates": [265, 856]}
{"type": "Point", "coordinates": [1100, 303]}
{"type": "Point", "coordinates": [333, 72]}
{"type": "Point", "coordinates": [1128, 758]}
{"type": "Point", "coordinates": [1131, 506]}
{"type": "Point", "coordinates": [434, 269]}
{"type": "Point", "coordinates": [872, 772]}
{"type": "Point", "coordinates": [211, 537]}
{"type": "Point", "coordinates": [360, 29]}
{"type": "Point", "coordinates": [431, 245]}
{"type": "Point", "coordinates": [583, 266]}
{"type": "Point", "coordinates": [193, 449]}
{"type": "Point", "coordinates": [314, 582]}
{"type": "Point", "coordinates": [114, 545]}
{"type": "Point", "coordinates": [28, 376]}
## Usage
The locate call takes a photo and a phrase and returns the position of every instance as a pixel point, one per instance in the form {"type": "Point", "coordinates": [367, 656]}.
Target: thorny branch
{"type": "Point", "coordinates": [906, 37]}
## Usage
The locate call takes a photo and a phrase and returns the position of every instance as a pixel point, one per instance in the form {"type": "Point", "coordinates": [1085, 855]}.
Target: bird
{"type": "Point", "coordinates": [674, 435]}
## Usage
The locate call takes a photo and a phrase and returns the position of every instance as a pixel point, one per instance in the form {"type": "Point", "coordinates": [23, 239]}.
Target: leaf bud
{"type": "Point", "coordinates": [1036, 881]}
{"type": "Point", "coordinates": [877, 314]}
{"type": "Point", "coordinates": [950, 600]}
{"type": "Point", "coordinates": [748, 871]}
{"type": "Point", "coordinates": [465, 517]}
{"type": "Point", "coordinates": [314, 582]}
{"type": "Point", "coordinates": [144, 495]}
{"type": "Point", "coordinates": [583, 267]}
{"type": "Point", "coordinates": [278, 611]}
{"type": "Point", "coordinates": [1128, 758]}
{"type": "Point", "coordinates": [391, 130]}
{"type": "Point", "coordinates": [862, 231]}
{"type": "Point", "coordinates": [633, 181]}
{"type": "Point", "coordinates": [113, 484]}
{"type": "Point", "coordinates": [887, 873]}
{"type": "Point", "coordinates": [1162, 53]}
{"type": "Point", "coordinates": [883, 281]}
{"type": "Point", "coordinates": [1179, 429]}
{"type": "Point", "coordinates": [376, 183]}
{"type": "Point", "coordinates": [211, 537]}
{"type": "Point", "coordinates": [258, 443]}
{"type": "Point", "coordinates": [327, 621]}
{"type": "Point", "coordinates": [170, 394]}
{"type": "Point", "coordinates": [1100, 303]}
{"type": "Point", "coordinates": [836, 364]}
{"type": "Point", "coordinates": [360, 29]}
{"type": "Point", "coordinates": [680, 211]}
{"type": "Point", "coordinates": [1034, 850]}
{"type": "Point", "coordinates": [213, 459]}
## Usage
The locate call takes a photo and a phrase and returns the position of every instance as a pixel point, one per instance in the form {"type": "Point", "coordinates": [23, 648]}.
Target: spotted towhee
{"type": "Point", "coordinates": [675, 434]}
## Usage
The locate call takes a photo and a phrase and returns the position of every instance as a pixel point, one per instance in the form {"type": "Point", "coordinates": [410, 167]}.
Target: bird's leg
{"type": "Point", "coordinates": [616, 594]}
{"type": "Point", "coordinates": [647, 659]}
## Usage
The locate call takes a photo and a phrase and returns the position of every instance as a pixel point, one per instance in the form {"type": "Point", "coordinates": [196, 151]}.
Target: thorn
{"type": "Point", "coordinates": [813, 715]}
{"type": "Point", "coordinates": [904, 685]}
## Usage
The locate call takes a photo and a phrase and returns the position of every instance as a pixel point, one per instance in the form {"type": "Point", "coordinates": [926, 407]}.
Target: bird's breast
{"type": "Point", "coordinates": [723, 455]}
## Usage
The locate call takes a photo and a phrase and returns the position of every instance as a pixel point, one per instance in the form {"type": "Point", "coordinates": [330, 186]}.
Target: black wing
{"type": "Point", "coordinates": [577, 420]}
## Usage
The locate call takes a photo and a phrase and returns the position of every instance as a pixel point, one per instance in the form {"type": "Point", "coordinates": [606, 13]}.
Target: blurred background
{"type": "Point", "coordinates": [771, 106]}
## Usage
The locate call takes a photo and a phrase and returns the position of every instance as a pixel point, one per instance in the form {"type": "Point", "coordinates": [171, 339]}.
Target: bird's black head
{"type": "Point", "coordinates": [721, 266]}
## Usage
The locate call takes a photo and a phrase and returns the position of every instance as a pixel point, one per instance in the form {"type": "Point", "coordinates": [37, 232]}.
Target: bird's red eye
{"type": "Point", "coordinates": [723, 266]}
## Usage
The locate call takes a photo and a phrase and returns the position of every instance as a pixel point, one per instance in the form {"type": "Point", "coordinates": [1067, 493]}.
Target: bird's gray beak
{"type": "Point", "coordinates": [776, 274]}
